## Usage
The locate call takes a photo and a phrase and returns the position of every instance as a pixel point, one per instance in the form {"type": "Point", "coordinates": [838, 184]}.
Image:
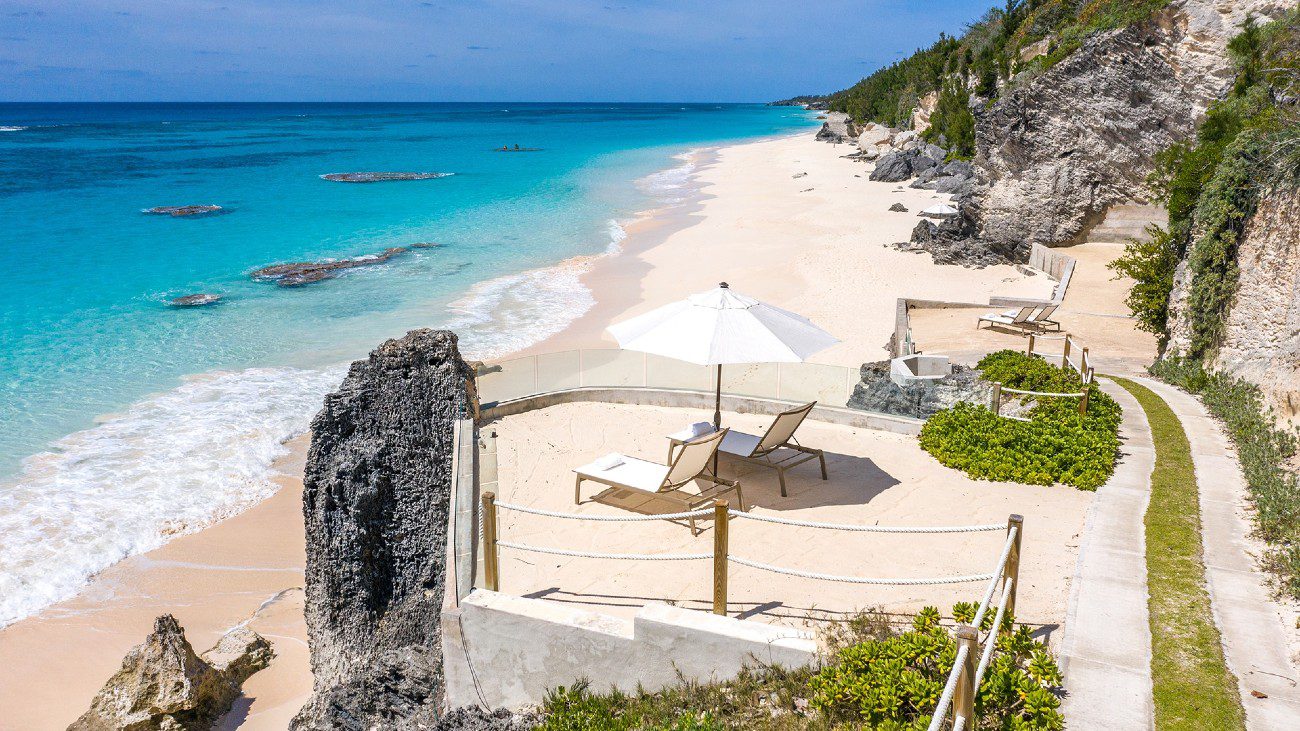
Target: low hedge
{"type": "Point", "coordinates": [1056, 445]}
{"type": "Point", "coordinates": [876, 677]}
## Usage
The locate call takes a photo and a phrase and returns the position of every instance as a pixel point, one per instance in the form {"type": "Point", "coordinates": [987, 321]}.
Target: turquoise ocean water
{"type": "Point", "coordinates": [124, 421]}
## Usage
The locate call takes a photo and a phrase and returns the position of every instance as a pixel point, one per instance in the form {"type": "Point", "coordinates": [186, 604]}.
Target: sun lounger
{"type": "Point", "coordinates": [1043, 317]}
{"type": "Point", "coordinates": [776, 448]}
{"type": "Point", "coordinates": [665, 481]}
{"type": "Point", "coordinates": [1021, 319]}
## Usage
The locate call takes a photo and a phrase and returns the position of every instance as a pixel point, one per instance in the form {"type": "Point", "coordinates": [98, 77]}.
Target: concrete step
{"type": "Point", "coordinates": [1136, 212]}
{"type": "Point", "coordinates": [1137, 228]}
{"type": "Point", "coordinates": [1117, 237]}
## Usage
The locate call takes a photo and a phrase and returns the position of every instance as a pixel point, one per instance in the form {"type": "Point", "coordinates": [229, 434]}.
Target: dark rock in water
{"type": "Point", "coordinates": [877, 392]}
{"type": "Point", "coordinates": [898, 208]}
{"type": "Point", "coordinates": [183, 211]}
{"type": "Point", "coordinates": [893, 167]}
{"type": "Point", "coordinates": [381, 177]}
{"type": "Point", "coordinates": [424, 245]}
{"type": "Point", "coordinates": [164, 685]}
{"type": "Point", "coordinates": [298, 273]}
{"type": "Point", "coordinates": [376, 492]}
{"type": "Point", "coordinates": [201, 299]}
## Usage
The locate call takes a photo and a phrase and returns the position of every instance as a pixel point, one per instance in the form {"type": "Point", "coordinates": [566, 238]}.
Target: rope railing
{"type": "Point", "coordinates": [604, 518]}
{"type": "Point", "coordinates": [1040, 393]}
{"type": "Point", "coordinates": [1084, 367]}
{"type": "Point", "coordinates": [869, 528]}
{"type": "Point", "coordinates": [967, 670]}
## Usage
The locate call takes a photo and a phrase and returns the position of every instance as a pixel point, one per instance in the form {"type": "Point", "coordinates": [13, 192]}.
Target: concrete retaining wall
{"type": "Point", "coordinates": [507, 651]}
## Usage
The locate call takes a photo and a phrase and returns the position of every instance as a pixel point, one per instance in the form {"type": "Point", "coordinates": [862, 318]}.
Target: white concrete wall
{"type": "Point", "coordinates": [508, 651]}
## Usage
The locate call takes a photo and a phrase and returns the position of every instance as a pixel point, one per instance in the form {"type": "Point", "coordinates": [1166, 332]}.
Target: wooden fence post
{"type": "Point", "coordinates": [1012, 569]}
{"type": "Point", "coordinates": [491, 570]}
{"type": "Point", "coordinates": [720, 527]}
{"type": "Point", "coordinates": [1031, 345]}
{"type": "Point", "coordinates": [1083, 402]}
{"type": "Point", "coordinates": [1083, 362]}
{"type": "Point", "coordinates": [1065, 354]}
{"type": "Point", "coordinates": [996, 402]}
{"type": "Point", "coordinates": [963, 701]}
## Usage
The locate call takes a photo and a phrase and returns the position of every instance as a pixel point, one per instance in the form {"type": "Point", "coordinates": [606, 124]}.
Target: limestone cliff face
{"type": "Point", "coordinates": [375, 500]}
{"type": "Point", "coordinates": [1058, 149]}
{"type": "Point", "coordinates": [1262, 334]}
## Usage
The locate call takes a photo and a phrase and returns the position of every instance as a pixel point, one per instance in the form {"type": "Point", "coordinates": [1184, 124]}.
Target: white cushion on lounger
{"type": "Point", "coordinates": [739, 443]}
{"type": "Point", "coordinates": [632, 472]}
{"type": "Point", "coordinates": [995, 317]}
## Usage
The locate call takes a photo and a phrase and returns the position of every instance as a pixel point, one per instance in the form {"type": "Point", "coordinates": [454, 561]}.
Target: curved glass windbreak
{"type": "Point", "coordinates": [507, 380]}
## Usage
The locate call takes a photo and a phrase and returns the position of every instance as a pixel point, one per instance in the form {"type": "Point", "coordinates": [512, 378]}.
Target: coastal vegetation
{"type": "Point", "coordinates": [1007, 44]}
{"type": "Point", "coordinates": [1055, 445]}
{"type": "Point", "coordinates": [876, 677]}
{"type": "Point", "coordinates": [1247, 145]}
{"type": "Point", "coordinates": [1191, 684]}
{"type": "Point", "coordinates": [1264, 451]}
{"type": "Point", "coordinates": [1211, 185]}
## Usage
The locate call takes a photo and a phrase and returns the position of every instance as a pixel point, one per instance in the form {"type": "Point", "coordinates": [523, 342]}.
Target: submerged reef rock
{"type": "Point", "coordinates": [183, 211]}
{"type": "Point", "coordinates": [164, 685]}
{"type": "Point", "coordinates": [876, 392]}
{"type": "Point", "coordinates": [376, 491]}
{"type": "Point", "coordinates": [202, 299]}
{"type": "Point", "coordinates": [381, 177]}
{"type": "Point", "coordinates": [299, 273]}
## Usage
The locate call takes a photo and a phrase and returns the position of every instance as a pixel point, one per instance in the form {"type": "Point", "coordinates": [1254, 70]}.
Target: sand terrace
{"type": "Point", "coordinates": [875, 478]}
{"type": "Point", "coordinates": [1093, 311]}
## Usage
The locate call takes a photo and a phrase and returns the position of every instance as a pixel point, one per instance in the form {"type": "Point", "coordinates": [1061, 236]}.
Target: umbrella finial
{"type": "Point", "coordinates": [723, 285]}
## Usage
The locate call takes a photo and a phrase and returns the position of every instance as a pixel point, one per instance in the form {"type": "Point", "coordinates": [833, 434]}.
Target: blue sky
{"type": "Point", "coordinates": [444, 50]}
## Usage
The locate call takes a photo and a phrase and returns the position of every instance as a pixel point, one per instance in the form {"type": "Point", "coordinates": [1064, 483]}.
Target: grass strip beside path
{"type": "Point", "coordinates": [1193, 687]}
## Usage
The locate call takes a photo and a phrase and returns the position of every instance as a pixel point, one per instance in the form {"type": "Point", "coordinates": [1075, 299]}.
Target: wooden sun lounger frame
{"type": "Point", "coordinates": [672, 491]}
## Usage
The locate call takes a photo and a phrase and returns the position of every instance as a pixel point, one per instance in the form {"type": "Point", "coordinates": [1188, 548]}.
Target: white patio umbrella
{"type": "Point", "coordinates": [722, 327]}
{"type": "Point", "coordinates": [939, 210]}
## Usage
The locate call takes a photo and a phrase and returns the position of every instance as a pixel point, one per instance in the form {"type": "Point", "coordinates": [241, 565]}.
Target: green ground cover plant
{"type": "Point", "coordinates": [1192, 686]}
{"type": "Point", "coordinates": [875, 677]}
{"type": "Point", "coordinates": [1263, 450]}
{"type": "Point", "coordinates": [1056, 445]}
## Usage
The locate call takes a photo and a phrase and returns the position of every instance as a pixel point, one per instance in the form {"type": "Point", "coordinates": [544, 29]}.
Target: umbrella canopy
{"type": "Point", "coordinates": [938, 210]}
{"type": "Point", "coordinates": [720, 327]}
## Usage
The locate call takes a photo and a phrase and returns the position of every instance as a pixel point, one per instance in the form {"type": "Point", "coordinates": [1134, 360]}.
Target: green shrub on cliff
{"type": "Point", "coordinates": [875, 677]}
{"type": "Point", "coordinates": [1211, 186]}
{"type": "Point", "coordinates": [1056, 445]}
{"type": "Point", "coordinates": [1264, 451]}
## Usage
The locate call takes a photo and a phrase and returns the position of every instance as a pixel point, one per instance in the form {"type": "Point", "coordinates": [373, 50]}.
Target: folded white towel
{"type": "Point", "coordinates": [608, 462]}
{"type": "Point", "coordinates": [699, 428]}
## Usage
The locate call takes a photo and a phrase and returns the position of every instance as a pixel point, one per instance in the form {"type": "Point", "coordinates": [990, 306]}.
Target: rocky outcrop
{"type": "Point", "coordinates": [876, 392]}
{"type": "Point", "coordinates": [201, 299]}
{"type": "Point", "coordinates": [296, 274]}
{"type": "Point", "coordinates": [164, 685]}
{"type": "Point", "coordinates": [1262, 333]}
{"type": "Point", "coordinates": [373, 177]}
{"type": "Point", "coordinates": [375, 499]}
{"type": "Point", "coordinates": [837, 128]}
{"type": "Point", "coordinates": [1059, 148]}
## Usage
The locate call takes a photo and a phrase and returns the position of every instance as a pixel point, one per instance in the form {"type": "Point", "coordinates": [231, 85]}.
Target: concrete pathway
{"type": "Point", "coordinates": [1253, 629]}
{"type": "Point", "coordinates": [1106, 649]}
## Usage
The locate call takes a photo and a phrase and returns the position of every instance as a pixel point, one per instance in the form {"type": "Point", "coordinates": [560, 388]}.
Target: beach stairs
{"type": "Point", "coordinates": [1125, 222]}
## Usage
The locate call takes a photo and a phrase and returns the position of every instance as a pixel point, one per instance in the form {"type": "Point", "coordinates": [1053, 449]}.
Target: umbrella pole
{"type": "Point", "coordinates": [717, 414]}
{"type": "Point", "coordinates": [717, 402]}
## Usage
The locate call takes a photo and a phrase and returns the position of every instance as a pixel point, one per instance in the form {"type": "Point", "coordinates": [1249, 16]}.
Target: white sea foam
{"type": "Point", "coordinates": [510, 313]}
{"type": "Point", "coordinates": [170, 464]}
{"type": "Point", "coordinates": [6, 128]}
{"type": "Point", "coordinates": [671, 184]}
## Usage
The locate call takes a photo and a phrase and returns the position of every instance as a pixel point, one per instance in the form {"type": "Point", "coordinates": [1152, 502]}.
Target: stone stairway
{"type": "Point", "coordinates": [1125, 222]}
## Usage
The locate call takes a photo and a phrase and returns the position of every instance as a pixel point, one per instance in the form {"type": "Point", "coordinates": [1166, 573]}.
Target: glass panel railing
{"type": "Point", "coordinates": [826, 384]}
{"type": "Point", "coordinates": [610, 368]}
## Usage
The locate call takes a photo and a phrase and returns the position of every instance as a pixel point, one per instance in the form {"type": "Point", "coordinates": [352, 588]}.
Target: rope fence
{"type": "Point", "coordinates": [973, 656]}
{"type": "Point", "coordinates": [1084, 366]}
